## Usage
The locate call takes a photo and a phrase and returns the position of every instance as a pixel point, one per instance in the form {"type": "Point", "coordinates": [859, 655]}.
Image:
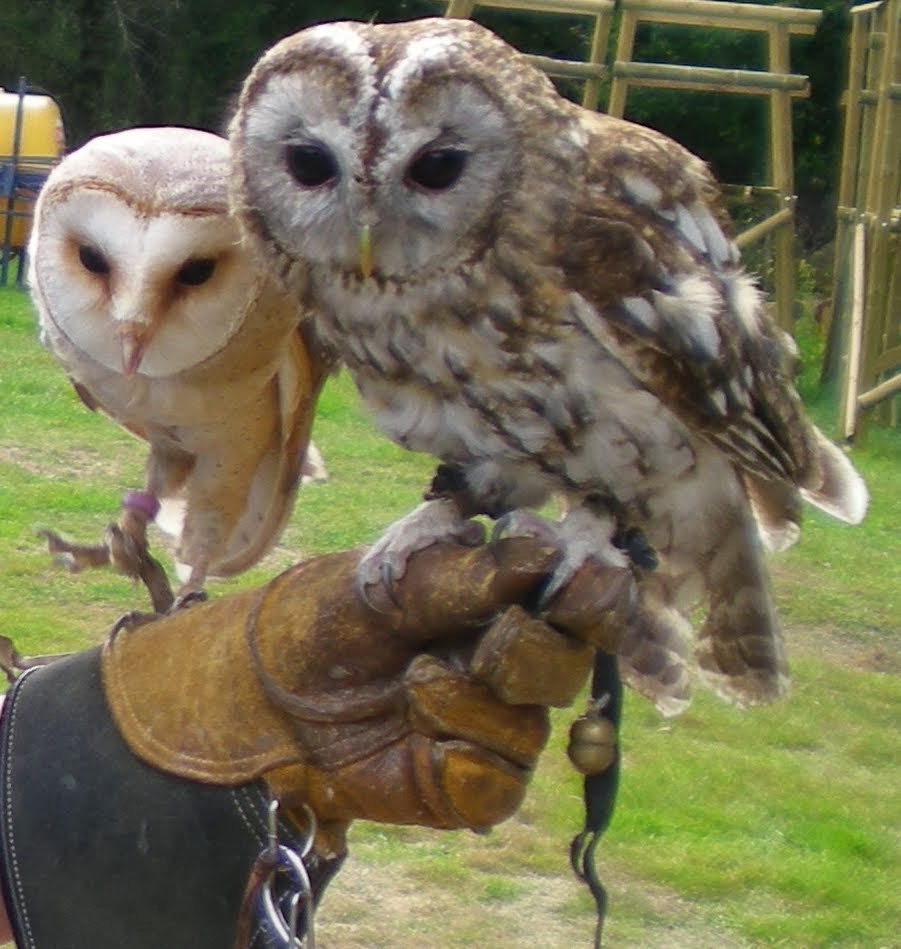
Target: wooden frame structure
{"type": "Point", "coordinates": [777, 84]}
{"type": "Point", "coordinates": [592, 70]}
{"type": "Point", "coordinates": [867, 288]}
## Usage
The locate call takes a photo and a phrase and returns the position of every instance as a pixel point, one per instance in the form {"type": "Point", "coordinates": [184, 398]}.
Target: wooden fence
{"type": "Point", "coordinates": [867, 291]}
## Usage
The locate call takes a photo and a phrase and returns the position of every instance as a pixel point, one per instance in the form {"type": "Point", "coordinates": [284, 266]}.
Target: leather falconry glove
{"type": "Point", "coordinates": [148, 766]}
{"type": "Point", "coordinates": [430, 713]}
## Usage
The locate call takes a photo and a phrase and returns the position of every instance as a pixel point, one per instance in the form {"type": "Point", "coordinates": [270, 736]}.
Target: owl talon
{"type": "Point", "coordinates": [130, 621]}
{"type": "Point", "coordinates": [525, 524]}
{"type": "Point", "coordinates": [185, 600]}
{"type": "Point", "coordinates": [387, 584]}
{"type": "Point", "coordinates": [385, 564]}
{"type": "Point", "coordinates": [74, 557]}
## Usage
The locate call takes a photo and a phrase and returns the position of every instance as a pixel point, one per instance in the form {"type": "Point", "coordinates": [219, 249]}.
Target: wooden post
{"type": "Point", "coordinates": [855, 332]}
{"type": "Point", "coordinates": [460, 9]}
{"type": "Point", "coordinates": [869, 195]}
{"type": "Point", "coordinates": [597, 53]}
{"type": "Point", "coordinates": [846, 212]}
{"type": "Point", "coordinates": [590, 71]}
{"type": "Point", "coordinates": [882, 195]}
{"type": "Point", "coordinates": [625, 45]}
{"type": "Point", "coordinates": [782, 173]}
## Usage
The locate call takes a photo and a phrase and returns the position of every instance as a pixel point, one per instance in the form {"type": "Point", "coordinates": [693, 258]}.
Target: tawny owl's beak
{"type": "Point", "coordinates": [364, 243]}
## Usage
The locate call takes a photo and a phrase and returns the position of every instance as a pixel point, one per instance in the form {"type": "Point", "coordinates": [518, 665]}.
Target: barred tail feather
{"type": "Point", "coordinates": [653, 655]}
{"type": "Point", "coordinates": [740, 651]}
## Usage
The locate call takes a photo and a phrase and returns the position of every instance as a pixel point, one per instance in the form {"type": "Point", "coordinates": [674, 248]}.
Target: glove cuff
{"type": "Point", "coordinates": [98, 848]}
{"type": "Point", "coordinates": [248, 667]}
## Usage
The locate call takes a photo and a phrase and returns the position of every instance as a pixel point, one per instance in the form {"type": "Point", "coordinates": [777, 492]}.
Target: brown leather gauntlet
{"type": "Point", "coordinates": [432, 713]}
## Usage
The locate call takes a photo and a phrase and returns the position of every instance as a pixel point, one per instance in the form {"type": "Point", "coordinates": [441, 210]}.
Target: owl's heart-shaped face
{"type": "Point", "coordinates": [135, 258]}
{"type": "Point", "coordinates": [375, 156]}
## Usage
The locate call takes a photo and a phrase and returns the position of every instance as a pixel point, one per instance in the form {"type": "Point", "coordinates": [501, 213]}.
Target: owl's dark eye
{"type": "Point", "coordinates": [196, 271]}
{"type": "Point", "coordinates": [92, 260]}
{"type": "Point", "coordinates": [438, 168]}
{"type": "Point", "coordinates": [311, 165]}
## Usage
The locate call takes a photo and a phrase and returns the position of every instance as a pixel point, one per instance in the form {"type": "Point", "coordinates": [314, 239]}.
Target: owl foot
{"type": "Point", "coordinates": [130, 621]}
{"type": "Point", "coordinates": [75, 557]}
{"type": "Point", "coordinates": [186, 599]}
{"type": "Point", "coordinates": [582, 535]}
{"type": "Point", "coordinates": [125, 553]}
{"type": "Point", "coordinates": [13, 664]}
{"type": "Point", "coordinates": [386, 561]}
{"type": "Point", "coordinates": [135, 618]}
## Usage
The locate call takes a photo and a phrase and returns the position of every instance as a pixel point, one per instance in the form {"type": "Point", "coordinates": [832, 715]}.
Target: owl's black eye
{"type": "Point", "coordinates": [437, 169]}
{"type": "Point", "coordinates": [196, 271]}
{"type": "Point", "coordinates": [311, 165]}
{"type": "Point", "coordinates": [92, 260]}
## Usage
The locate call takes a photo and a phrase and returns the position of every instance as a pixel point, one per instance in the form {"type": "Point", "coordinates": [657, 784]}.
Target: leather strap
{"type": "Point", "coordinates": [100, 849]}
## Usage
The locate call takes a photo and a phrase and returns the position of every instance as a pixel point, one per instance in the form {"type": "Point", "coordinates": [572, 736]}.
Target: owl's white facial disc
{"type": "Point", "coordinates": [116, 252]}
{"type": "Point", "coordinates": [348, 128]}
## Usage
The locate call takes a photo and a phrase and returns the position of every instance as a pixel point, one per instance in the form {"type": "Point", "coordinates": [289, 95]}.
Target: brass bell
{"type": "Point", "coordinates": [592, 743]}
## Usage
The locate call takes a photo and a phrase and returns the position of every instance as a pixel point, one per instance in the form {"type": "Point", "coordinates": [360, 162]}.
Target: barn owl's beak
{"type": "Point", "coordinates": [133, 340]}
{"type": "Point", "coordinates": [364, 244]}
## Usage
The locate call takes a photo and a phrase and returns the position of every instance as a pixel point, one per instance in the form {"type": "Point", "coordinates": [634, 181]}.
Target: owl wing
{"type": "Point", "coordinates": [271, 496]}
{"type": "Point", "coordinates": [649, 248]}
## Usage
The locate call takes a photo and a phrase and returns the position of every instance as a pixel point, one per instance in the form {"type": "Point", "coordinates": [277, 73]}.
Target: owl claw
{"type": "Point", "coordinates": [387, 584]}
{"type": "Point", "coordinates": [385, 564]}
{"type": "Point", "coordinates": [525, 524]}
{"type": "Point", "coordinates": [135, 618]}
{"type": "Point", "coordinates": [130, 621]}
{"type": "Point", "coordinates": [186, 599]}
{"type": "Point", "coordinates": [74, 557]}
{"type": "Point", "coordinates": [584, 534]}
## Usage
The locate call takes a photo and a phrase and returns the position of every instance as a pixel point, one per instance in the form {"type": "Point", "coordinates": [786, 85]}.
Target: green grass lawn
{"type": "Point", "coordinates": [776, 827]}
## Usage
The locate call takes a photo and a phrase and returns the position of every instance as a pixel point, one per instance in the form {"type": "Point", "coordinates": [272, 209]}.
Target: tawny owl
{"type": "Point", "coordinates": [165, 321]}
{"type": "Point", "coordinates": [546, 299]}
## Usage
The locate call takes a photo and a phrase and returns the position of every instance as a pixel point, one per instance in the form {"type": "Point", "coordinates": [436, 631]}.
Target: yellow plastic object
{"type": "Point", "coordinates": [41, 143]}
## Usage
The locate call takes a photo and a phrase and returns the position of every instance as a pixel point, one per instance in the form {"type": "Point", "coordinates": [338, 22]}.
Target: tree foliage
{"type": "Point", "coordinates": [116, 63]}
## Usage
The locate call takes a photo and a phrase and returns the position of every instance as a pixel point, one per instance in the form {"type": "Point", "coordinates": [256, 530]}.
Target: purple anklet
{"type": "Point", "coordinates": [143, 502]}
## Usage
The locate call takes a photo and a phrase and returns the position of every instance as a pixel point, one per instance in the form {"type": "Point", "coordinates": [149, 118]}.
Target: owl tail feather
{"type": "Point", "coordinates": [841, 491]}
{"type": "Point", "coordinates": [653, 655]}
{"type": "Point", "coordinates": [739, 651]}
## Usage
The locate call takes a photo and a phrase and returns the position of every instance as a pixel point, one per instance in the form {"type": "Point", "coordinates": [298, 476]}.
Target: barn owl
{"type": "Point", "coordinates": [163, 319]}
{"type": "Point", "coordinates": [547, 299]}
